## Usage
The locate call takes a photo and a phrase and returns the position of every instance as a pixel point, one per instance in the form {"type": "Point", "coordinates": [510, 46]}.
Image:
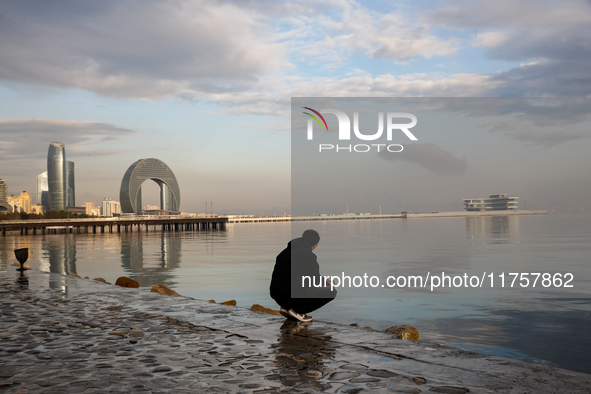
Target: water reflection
{"type": "Point", "coordinates": [492, 229]}
{"type": "Point", "coordinates": [7, 247]}
{"type": "Point", "coordinates": [302, 348]}
{"type": "Point", "coordinates": [149, 266]}
{"type": "Point", "coordinates": [59, 254]}
{"type": "Point", "coordinates": [149, 261]}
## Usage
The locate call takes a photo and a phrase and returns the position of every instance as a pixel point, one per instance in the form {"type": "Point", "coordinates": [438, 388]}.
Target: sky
{"type": "Point", "coordinates": [206, 87]}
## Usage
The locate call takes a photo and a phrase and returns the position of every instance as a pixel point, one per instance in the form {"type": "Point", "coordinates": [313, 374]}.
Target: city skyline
{"type": "Point", "coordinates": [217, 111]}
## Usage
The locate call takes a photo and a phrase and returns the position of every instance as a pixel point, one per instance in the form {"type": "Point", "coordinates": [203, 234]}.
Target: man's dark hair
{"type": "Point", "coordinates": [311, 237]}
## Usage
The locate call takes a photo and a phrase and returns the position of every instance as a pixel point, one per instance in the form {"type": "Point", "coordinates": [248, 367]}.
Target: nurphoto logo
{"type": "Point", "coordinates": [345, 130]}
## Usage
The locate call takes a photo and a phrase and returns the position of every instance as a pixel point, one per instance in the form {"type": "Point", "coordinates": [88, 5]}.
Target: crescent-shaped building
{"type": "Point", "coordinates": [139, 172]}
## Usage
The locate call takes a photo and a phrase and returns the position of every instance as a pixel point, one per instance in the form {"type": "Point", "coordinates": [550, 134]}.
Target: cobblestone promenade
{"type": "Point", "coordinates": [68, 335]}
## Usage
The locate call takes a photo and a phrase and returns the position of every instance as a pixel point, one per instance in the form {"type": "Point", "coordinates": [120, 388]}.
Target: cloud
{"type": "Point", "coordinates": [544, 122]}
{"type": "Point", "coordinates": [275, 126]}
{"type": "Point", "coordinates": [275, 101]}
{"type": "Point", "coordinates": [551, 39]}
{"type": "Point", "coordinates": [429, 156]}
{"type": "Point", "coordinates": [535, 136]}
{"type": "Point", "coordinates": [199, 49]}
{"type": "Point", "coordinates": [482, 14]}
{"type": "Point", "coordinates": [251, 56]}
{"type": "Point", "coordinates": [138, 49]}
{"type": "Point", "coordinates": [26, 139]}
{"type": "Point", "coordinates": [395, 35]}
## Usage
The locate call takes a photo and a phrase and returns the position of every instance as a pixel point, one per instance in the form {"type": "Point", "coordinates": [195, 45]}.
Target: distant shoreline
{"type": "Point", "coordinates": [357, 216]}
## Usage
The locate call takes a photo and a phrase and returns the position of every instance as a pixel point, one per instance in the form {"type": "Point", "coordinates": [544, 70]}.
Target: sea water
{"type": "Point", "coordinates": [544, 325]}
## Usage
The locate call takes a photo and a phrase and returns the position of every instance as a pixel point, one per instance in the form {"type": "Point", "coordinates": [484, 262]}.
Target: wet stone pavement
{"type": "Point", "coordinates": [69, 335]}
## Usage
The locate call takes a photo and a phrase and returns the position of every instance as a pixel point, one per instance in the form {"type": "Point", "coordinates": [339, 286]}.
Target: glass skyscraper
{"type": "Point", "coordinates": [70, 185]}
{"type": "Point", "coordinates": [43, 191]}
{"type": "Point", "coordinates": [60, 178]}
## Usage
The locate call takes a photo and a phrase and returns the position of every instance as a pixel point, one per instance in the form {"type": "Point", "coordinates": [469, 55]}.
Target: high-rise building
{"type": "Point", "coordinates": [61, 186]}
{"type": "Point", "coordinates": [157, 171]}
{"type": "Point", "coordinates": [92, 210]}
{"type": "Point", "coordinates": [3, 191]}
{"type": "Point", "coordinates": [56, 176]}
{"type": "Point", "coordinates": [23, 201]}
{"type": "Point", "coordinates": [70, 185]}
{"type": "Point", "coordinates": [111, 207]}
{"type": "Point", "coordinates": [43, 191]}
{"type": "Point", "coordinates": [5, 207]}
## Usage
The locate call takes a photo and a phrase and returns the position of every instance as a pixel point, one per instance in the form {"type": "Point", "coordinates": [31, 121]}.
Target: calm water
{"type": "Point", "coordinates": [544, 325]}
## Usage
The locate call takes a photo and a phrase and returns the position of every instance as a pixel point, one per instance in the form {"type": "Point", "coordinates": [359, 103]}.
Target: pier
{"type": "Point", "coordinates": [181, 223]}
{"type": "Point", "coordinates": [402, 215]}
{"type": "Point", "coordinates": [113, 225]}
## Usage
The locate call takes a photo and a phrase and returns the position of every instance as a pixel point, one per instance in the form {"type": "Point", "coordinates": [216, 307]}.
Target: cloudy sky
{"type": "Point", "coordinates": [206, 87]}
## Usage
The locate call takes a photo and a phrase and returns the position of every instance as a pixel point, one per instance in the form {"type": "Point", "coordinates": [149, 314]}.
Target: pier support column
{"type": "Point", "coordinates": [43, 230]}
{"type": "Point", "coordinates": [4, 232]}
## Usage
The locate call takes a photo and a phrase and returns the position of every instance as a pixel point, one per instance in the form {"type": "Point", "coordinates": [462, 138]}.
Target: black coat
{"type": "Point", "coordinates": [305, 264]}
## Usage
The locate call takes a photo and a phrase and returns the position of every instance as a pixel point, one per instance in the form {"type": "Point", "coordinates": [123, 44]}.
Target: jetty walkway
{"type": "Point", "coordinates": [185, 223]}
{"type": "Point", "coordinates": [354, 216]}
{"type": "Point", "coordinates": [113, 224]}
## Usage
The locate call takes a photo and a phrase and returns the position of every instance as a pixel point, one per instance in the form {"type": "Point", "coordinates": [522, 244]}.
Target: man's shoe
{"type": "Point", "coordinates": [285, 313]}
{"type": "Point", "coordinates": [299, 316]}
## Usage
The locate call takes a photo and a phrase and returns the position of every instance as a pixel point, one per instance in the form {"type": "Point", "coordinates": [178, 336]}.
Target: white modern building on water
{"type": "Point", "coordinates": [494, 202]}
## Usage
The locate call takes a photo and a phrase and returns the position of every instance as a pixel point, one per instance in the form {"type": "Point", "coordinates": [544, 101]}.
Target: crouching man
{"type": "Point", "coordinates": [297, 296]}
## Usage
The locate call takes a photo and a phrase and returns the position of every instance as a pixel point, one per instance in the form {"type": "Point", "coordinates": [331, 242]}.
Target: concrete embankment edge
{"type": "Point", "coordinates": [439, 365]}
